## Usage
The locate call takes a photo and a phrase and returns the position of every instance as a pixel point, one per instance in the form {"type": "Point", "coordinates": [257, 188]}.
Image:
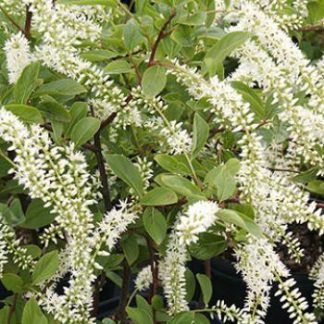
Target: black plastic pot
{"type": "Point", "coordinates": [230, 287]}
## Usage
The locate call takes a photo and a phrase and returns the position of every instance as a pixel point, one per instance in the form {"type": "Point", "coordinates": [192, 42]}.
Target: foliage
{"type": "Point", "coordinates": [136, 138]}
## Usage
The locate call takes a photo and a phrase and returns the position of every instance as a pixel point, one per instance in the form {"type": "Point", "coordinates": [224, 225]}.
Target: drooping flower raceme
{"type": "Point", "coordinates": [18, 56]}
{"type": "Point", "coordinates": [144, 279]}
{"type": "Point", "coordinates": [317, 274]}
{"type": "Point", "coordinates": [198, 218]}
{"type": "Point", "coordinates": [58, 176]}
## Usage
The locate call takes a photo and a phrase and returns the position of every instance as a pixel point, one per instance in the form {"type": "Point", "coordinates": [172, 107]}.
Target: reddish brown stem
{"type": "Point", "coordinates": [28, 21]}
{"type": "Point", "coordinates": [102, 170]}
{"type": "Point", "coordinates": [207, 267]}
{"type": "Point", "coordinates": [122, 316]}
{"type": "Point", "coordinates": [162, 34]}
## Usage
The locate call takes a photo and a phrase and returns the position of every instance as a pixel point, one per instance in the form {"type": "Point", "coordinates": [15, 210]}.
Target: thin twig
{"type": "Point", "coordinates": [102, 170]}
{"type": "Point", "coordinates": [313, 28]}
{"type": "Point", "coordinates": [12, 309]}
{"type": "Point", "coordinates": [121, 315]}
{"type": "Point", "coordinates": [28, 21]}
{"type": "Point", "coordinates": [161, 35]}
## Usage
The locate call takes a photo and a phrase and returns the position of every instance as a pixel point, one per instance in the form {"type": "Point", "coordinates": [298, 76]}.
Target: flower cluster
{"type": "Point", "coordinates": [198, 218]}
{"type": "Point", "coordinates": [144, 279]}
{"type": "Point", "coordinates": [18, 56]}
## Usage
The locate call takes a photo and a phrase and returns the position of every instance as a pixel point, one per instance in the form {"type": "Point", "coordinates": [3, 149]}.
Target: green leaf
{"type": "Point", "coordinates": [182, 186]}
{"type": "Point", "coordinates": [316, 186]}
{"type": "Point", "coordinates": [222, 178]}
{"type": "Point", "coordinates": [155, 224]}
{"type": "Point", "coordinates": [154, 80]}
{"type": "Point", "coordinates": [139, 315]}
{"type": "Point", "coordinates": [37, 215]}
{"type": "Point", "coordinates": [196, 19]}
{"type": "Point", "coordinates": [114, 277]}
{"type": "Point", "coordinates": [130, 248]}
{"type": "Point", "coordinates": [26, 113]}
{"type": "Point", "coordinates": [12, 282]}
{"type": "Point", "coordinates": [224, 47]}
{"type": "Point", "coordinates": [201, 319]}
{"type": "Point", "coordinates": [33, 250]}
{"type": "Point", "coordinates": [54, 111]}
{"type": "Point", "coordinates": [142, 303]}
{"type": "Point", "coordinates": [159, 196]}
{"type": "Point", "coordinates": [33, 314]}
{"type": "Point", "coordinates": [232, 217]}
{"type": "Point", "coordinates": [78, 111]}
{"type": "Point", "coordinates": [132, 34]}
{"type": "Point", "coordinates": [13, 214]}
{"type": "Point", "coordinates": [157, 302]}
{"type": "Point", "coordinates": [206, 287]}
{"type": "Point", "coordinates": [190, 285]}
{"type": "Point", "coordinates": [182, 36]}
{"type": "Point", "coordinates": [26, 83]}
{"type": "Point", "coordinates": [183, 318]}
{"type": "Point", "coordinates": [252, 97]}
{"type": "Point", "coordinates": [252, 227]}
{"type": "Point", "coordinates": [45, 267]}
{"type": "Point", "coordinates": [126, 171]}
{"type": "Point", "coordinates": [208, 246]}
{"type": "Point", "coordinates": [241, 220]}
{"type": "Point", "coordinates": [118, 66]}
{"type": "Point", "coordinates": [173, 164]}
{"type": "Point", "coordinates": [200, 134]}
{"type": "Point", "coordinates": [99, 55]}
{"type": "Point", "coordinates": [84, 130]}
{"type": "Point", "coordinates": [4, 314]}
{"type": "Point", "coordinates": [63, 87]}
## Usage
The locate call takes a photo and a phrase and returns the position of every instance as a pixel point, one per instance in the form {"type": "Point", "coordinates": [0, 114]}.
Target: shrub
{"type": "Point", "coordinates": [135, 139]}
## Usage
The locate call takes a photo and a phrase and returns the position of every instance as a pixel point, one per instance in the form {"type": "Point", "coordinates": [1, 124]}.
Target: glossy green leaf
{"type": "Point", "coordinates": [126, 171]}
{"type": "Point", "coordinates": [159, 196]}
{"type": "Point", "coordinates": [139, 315]}
{"type": "Point", "coordinates": [155, 224]}
{"type": "Point", "coordinates": [154, 80]}
{"type": "Point", "coordinates": [183, 318]}
{"type": "Point", "coordinates": [223, 48]}
{"type": "Point", "coordinates": [205, 286]}
{"type": "Point", "coordinates": [99, 55]}
{"type": "Point", "coordinates": [33, 314]}
{"type": "Point", "coordinates": [252, 97]}
{"type": "Point", "coordinates": [200, 134]}
{"type": "Point", "coordinates": [208, 246]}
{"type": "Point", "coordinates": [26, 83]}
{"type": "Point", "coordinates": [190, 285]}
{"type": "Point", "coordinates": [118, 66]}
{"type": "Point", "coordinates": [132, 34]}
{"type": "Point", "coordinates": [45, 267]}
{"type": "Point", "coordinates": [182, 186]}
{"type": "Point", "coordinates": [84, 130]}
{"type": "Point", "coordinates": [54, 111]}
{"type": "Point", "coordinates": [78, 111]}
{"type": "Point", "coordinates": [130, 248]}
{"type": "Point", "coordinates": [26, 113]}
{"type": "Point", "coordinates": [12, 282]}
{"type": "Point", "coordinates": [316, 186]}
{"type": "Point", "coordinates": [63, 87]}
{"type": "Point", "coordinates": [37, 215]}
